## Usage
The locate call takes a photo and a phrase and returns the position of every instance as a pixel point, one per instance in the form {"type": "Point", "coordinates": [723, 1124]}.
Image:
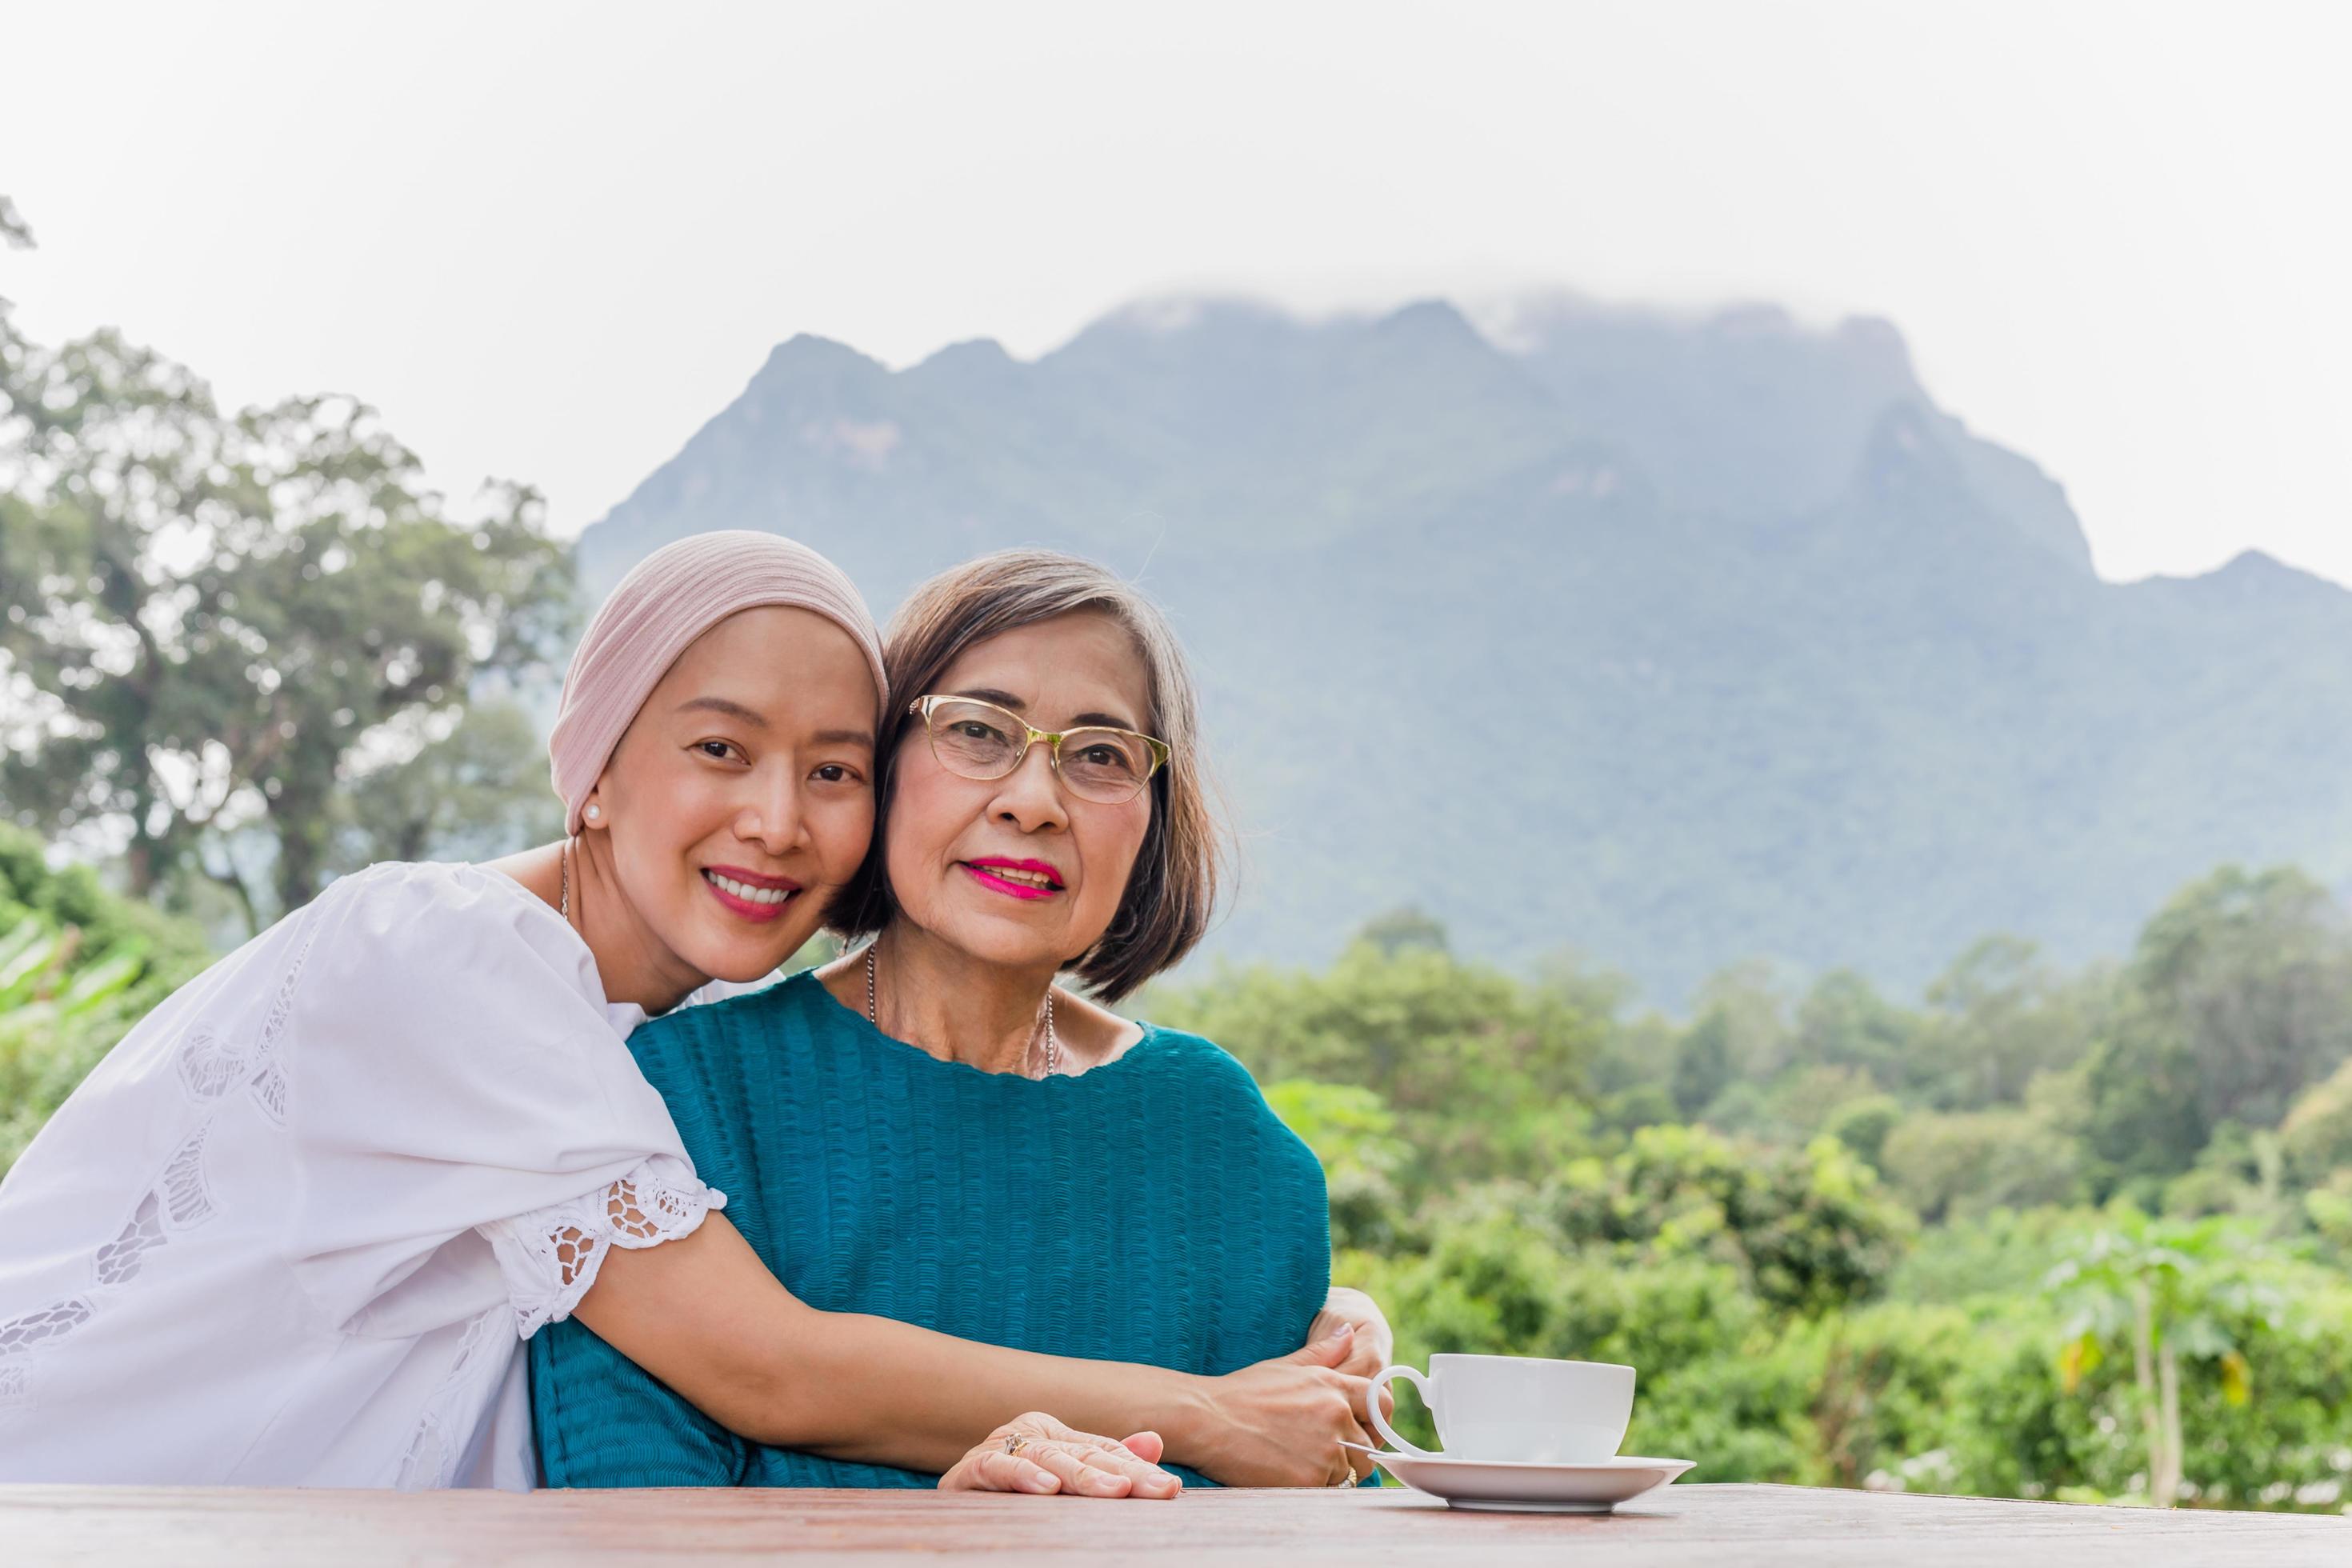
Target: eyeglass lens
{"type": "Point", "coordinates": [976, 739]}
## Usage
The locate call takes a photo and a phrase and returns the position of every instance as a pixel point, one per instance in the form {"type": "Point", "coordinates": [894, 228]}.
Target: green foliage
{"type": "Point", "coordinates": [2317, 1132]}
{"type": "Point", "coordinates": [1483, 1074]}
{"type": "Point", "coordinates": [78, 968]}
{"type": "Point", "coordinates": [1997, 1019]}
{"type": "Point", "coordinates": [1964, 1162]}
{"type": "Point", "coordinates": [1703, 1065]}
{"type": "Point", "coordinates": [1807, 1229]}
{"type": "Point", "coordinates": [2240, 996]}
{"type": "Point", "coordinates": [1863, 1125]}
{"type": "Point", "coordinates": [1403, 928]}
{"type": "Point", "coordinates": [1761, 1266]}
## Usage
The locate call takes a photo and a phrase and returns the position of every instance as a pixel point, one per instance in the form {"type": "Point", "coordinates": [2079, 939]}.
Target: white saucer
{"type": "Point", "coordinates": [1513, 1487]}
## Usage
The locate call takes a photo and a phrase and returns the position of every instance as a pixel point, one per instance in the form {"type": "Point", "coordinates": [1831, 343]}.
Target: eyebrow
{"type": "Point", "coordinates": [720, 705]}
{"type": "Point", "coordinates": [758, 720]}
{"type": "Point", "coordinates": [1006, 700]}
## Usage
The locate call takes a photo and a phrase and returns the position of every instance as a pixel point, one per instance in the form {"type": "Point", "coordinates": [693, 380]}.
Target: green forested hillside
{"type": "Point", "coordinates": [1668, 642]}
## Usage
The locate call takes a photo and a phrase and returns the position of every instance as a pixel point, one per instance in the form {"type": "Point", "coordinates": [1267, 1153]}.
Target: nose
{"type": "Point", "coordinates": [770, 815]}
{"type": "Point", "coordinates": [1030, 796]}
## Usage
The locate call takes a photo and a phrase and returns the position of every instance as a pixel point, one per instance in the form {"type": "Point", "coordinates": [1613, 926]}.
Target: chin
{"type": "Point", "coordinates": [736, 973]}
{"type": "Point", "coordinates": [992, 943]}
{"type": "Point", "coordinates": [734, 957]}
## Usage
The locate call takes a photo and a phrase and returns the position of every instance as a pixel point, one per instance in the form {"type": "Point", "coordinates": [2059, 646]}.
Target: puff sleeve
{"type": "Point", "coordinates": [466, 1118]}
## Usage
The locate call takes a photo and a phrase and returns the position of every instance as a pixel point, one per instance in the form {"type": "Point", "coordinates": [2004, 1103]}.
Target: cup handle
{"type": "Point", "coordinates": [1379, 1382]}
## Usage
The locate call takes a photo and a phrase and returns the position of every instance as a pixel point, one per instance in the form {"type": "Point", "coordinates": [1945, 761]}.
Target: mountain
{"type": "Point", "coordinates": [1670, 640]}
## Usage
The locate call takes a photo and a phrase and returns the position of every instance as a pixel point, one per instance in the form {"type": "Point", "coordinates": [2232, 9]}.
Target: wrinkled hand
{"type": "Point", "coordinates": [1375, 1343]}
{"type": "Point", "coordinates": [1056, 1459]}
{"type": "Point", "coordinates": [1375, 1347]}
{"type": "Point", "coordinates": [1280, 1423]}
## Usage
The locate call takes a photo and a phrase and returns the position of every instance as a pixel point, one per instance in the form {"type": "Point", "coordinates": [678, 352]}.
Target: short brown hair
{"type": "Point", "coordinates": [1172, 889]}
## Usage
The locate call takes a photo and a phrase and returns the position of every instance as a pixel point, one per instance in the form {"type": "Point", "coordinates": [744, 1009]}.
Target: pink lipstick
{"type": "Point", "coordinates": [748, 894]}
{"type": "Point", "coordinates": [1016, 878]}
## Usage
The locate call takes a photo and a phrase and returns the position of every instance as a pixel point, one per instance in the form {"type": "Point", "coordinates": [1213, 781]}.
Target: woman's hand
{"type": "Point", "coordinates": [1375, 1344]}
{"type": "Point", "coordinates": [1034, 1452]}
{"type": "Point", "coordinates": [1374, 1348]}
{"type": "Point", "coordinates": [1280, 1423]}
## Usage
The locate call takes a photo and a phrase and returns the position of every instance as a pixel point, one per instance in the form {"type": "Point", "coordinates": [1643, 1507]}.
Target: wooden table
{"type": "Point", "coordinates": [1720, 1526]}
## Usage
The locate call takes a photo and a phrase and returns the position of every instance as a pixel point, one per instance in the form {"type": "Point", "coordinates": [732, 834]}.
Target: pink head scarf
{"type": "Point", "coordinates": [672, 597]}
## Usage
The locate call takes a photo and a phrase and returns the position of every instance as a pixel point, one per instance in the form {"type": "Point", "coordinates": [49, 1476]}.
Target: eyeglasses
{"type": "Point", "coordinates": [976, 740]}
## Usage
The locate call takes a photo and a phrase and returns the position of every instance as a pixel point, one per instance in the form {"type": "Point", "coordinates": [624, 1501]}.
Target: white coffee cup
{"type": "Point", "coordinates": [1520, 1408]}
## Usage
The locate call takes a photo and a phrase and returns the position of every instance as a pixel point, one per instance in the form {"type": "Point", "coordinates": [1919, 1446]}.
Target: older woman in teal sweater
{"type": "Point", "coordinates": [939, 1130]}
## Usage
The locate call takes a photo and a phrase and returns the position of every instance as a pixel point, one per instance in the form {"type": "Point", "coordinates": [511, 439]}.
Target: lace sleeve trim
{"type": "Point", "coordinates": [552, 1256]}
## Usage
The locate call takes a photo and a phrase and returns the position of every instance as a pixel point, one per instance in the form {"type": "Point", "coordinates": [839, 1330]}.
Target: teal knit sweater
{"type": "Point", "coordinates": [1150, 1210]}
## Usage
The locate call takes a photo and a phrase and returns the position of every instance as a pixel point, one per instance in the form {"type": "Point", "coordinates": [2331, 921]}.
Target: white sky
{"type": "Point", "coordinates": [550, 241]}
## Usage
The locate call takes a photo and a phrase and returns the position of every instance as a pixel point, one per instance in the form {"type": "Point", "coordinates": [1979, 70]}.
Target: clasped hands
{"type": "Point", "coordinates": [1280, 1423]}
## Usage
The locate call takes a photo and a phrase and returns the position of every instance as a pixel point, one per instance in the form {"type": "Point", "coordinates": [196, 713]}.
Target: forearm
{"type": "Point", "coordinates": [704, 1316]}
{"type": "Point", "coordinates": [873, 1389]}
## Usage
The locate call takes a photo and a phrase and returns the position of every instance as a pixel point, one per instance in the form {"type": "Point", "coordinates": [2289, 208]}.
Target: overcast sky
{"type": "Point", "coordinates": [550, 241]}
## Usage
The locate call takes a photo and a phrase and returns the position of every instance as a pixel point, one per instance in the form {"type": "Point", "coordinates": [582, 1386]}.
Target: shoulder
{"type": "Point", "coordinates": [409, 934]}
{"type": "Point", "coordinates": [391, 892]}
{"type": "Point", "coordinates": [427, 904]}
{"type": "Point", "coordinates": [1213, 1081]}
{"type": "Point", "coordinates": [1201, 1059]}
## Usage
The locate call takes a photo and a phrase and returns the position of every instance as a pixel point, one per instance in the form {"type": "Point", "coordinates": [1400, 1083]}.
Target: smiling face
{"type": "Point", "coordinates": [1018, 870]}
{"type": "Point", "coordinates": [742, 796]}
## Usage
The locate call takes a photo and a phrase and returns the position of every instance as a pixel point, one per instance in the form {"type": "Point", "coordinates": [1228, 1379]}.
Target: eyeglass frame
{"type": "Point", "coordinates": [1160, 750]}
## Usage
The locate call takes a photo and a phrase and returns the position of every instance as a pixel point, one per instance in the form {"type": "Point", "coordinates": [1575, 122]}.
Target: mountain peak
{"type": "Point", "coordinates": [971, 352]}
{"type": "Point", "coordinates": [1431, 319]}
{"type": "Point", "coordinates": [806, 351]}
{"type": "Point", "coordinates": [2256, 574]}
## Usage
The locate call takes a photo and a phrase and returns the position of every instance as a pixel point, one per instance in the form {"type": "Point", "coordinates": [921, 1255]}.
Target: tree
{"type": "Point", "coordinates": [2251, 971]}
{"type": "Point", "coordinates": [2169, 1291]}
{"type": "Point", "coordinates": [1484, 1073]}
{"type": "Point", "coordinates": [2318, 1133]}
{"type": "Point", "coordinates": [225, 618]}
{"type": "Point", "coordinates": [476, 793]}
{"type": "Point", "coordinates": [1863, 1125]}
{"type": "Point", "coordinates": [1996, 1018]}
{"type": "Point", "coordinates": [1408, 926]}
{"type": "Point", "coordinates": [1809, 1228]}
{"type": "Point", "coordinates": [1844, 1022]}
{"type": "Point", "coordinates": [1703, 1064]}
{"type": "Point", "coordinates": [1959, 1162]}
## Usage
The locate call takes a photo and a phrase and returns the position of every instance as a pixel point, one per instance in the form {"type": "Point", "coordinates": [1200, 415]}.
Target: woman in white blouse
{"type": "Point", "coordinates": [292, 1230]}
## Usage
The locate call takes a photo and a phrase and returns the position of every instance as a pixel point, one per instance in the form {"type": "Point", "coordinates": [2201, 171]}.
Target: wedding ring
{"type": "Point", "coordinates": [1016, 1442]}
{"type": "Point", "coordinates": [1346, 1479]}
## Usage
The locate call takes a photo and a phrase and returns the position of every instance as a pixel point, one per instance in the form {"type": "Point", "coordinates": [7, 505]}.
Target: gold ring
{"type": "Point", "coordinates": [1347, 1481]}
{"type": "Point", "coordinates": [1015, 1442]}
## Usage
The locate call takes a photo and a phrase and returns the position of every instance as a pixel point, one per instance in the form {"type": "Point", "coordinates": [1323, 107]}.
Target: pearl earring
{"type": "Point", "coordinates": [593, 813]}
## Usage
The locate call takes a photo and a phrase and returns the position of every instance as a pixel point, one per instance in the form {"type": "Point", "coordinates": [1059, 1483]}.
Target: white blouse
{"type": "Point", "coordinates": [294, 1228]}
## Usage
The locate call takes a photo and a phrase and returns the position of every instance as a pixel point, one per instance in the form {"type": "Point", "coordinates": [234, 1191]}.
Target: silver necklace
{"type": "Point", "coordinates": [564, 896]}
{"type": "Point", "coordinates": [1053, 1040]}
